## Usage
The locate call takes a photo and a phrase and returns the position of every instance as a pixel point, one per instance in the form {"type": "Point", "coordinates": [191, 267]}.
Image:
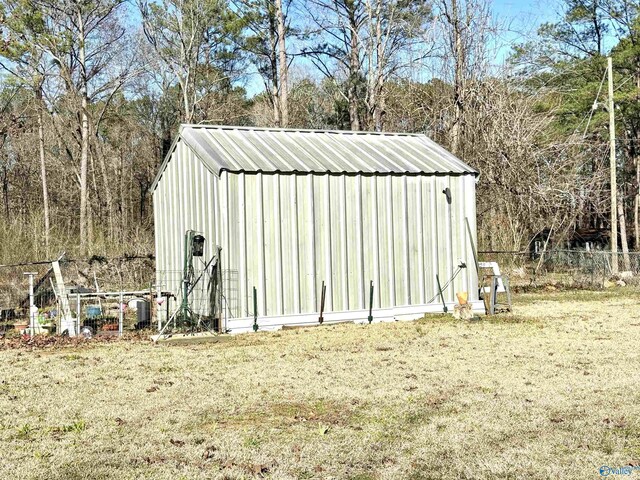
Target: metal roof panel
{"type": "Point", "coordinates": [251, 149]}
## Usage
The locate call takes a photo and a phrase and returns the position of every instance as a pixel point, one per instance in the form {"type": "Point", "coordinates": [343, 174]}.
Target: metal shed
{"type": "Point", "coordinates": [292, 209]}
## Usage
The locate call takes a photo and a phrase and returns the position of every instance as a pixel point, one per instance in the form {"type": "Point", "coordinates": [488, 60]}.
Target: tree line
{"type": "Point", "coordinates": [92, 93]}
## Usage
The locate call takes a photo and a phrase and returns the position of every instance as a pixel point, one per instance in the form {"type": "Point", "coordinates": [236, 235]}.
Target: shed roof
{"type": "Point", "coordinates": [270, 150]}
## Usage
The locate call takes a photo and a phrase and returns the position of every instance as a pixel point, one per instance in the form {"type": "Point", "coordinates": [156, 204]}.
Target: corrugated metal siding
{"type": "Point", "coordinates": [294, 232]}
{"type": "Point", "coordinates": [286, 234]}
{"type": "Point", "coordinates": [185, 199]}
{"type": "Point", "coordinates": [244, 149]}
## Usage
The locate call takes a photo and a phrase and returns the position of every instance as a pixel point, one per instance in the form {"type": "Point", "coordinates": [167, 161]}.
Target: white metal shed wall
{"type": "Point", "coordinates": [185, 199]}
{"type": "Point", "coordinates": [287, 233]}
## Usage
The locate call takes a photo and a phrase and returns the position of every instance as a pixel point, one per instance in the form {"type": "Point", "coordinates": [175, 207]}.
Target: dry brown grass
{"type": "Point", "coordinates": [548, 393]}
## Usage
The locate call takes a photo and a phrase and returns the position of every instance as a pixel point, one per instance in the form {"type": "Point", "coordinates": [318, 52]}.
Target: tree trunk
{"type": "Point", "coordinates": [43, 172]}
{"type": "Point", "coordinates": [106, 185]}
{"type": "Point", "coordinates": [623, 235]}
{"type": "Point", "coordinates": [378, 87]}
{"type": "Point", "coordinates": [275, 94]}
{"type": "Point", "coordinates": [283, 67]}
{"type": "Point", "coordinates": [5, 191]}
{"type": "Point", "coordinates": [94, 209]}
{"type": "Point", "coordinates": [636, 212]}
{"type": "Point", "coordinates": [354, 77]}
{"type": "Point", "coordinates": [144, 190]}
{"type": "Point", "coordinates": [458, 86]}
{"type": "Point", "coordinates": [123, 206]}
{"type": "Point", "coordinates": [84, 161]}
{"type": "Point", "coordinates": [188, 115]}
{"type": "Point", "coordinates": [90, 235]}
{"type": "Point", "coordinates": [273, 60]}
{"type": "Point", "coordinates": [84, 138]}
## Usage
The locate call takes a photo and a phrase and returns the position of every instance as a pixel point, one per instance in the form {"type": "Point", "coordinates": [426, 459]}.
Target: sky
{"type": "Point", "coordinates": [520, 21]}
{"type": "Point", "coordinates": [522, 18]}
{"type": "Point", "coordinates": [526, 12]}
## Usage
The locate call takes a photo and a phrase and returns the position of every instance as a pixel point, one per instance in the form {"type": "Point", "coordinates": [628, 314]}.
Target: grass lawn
{"type": "Point", "coordinates": [550, 392]}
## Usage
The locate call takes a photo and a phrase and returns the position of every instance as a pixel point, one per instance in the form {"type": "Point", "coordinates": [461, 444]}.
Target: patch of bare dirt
{"type": "Point", "coordinates": [37, 342]}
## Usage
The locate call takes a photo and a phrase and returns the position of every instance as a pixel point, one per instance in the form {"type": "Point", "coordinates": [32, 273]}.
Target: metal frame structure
{"type": "Point", "coordinates": [185, 316]}
{"type": "Point", "coordinates": [119, 295]}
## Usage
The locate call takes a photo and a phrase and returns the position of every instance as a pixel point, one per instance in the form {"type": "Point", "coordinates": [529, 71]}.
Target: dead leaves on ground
{"type": "Point", "coordinates": [615, 423]}
{"type": "Point", "coordinates": [35, 342]}
{"type": "Point", "coordinates": [209, 452]}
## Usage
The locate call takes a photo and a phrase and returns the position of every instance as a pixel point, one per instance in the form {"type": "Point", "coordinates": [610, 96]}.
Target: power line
{"type": "Point", "coordinates": [625, 81]}
{"type": "Point", "coordinates": [595, 104]}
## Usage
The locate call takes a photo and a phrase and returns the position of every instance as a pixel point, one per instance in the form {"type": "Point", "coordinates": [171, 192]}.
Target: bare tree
{"type": "Point", "coordinates": [265, 31]}
{"type": "Point", "coordinates": [88, 68]}
{"type": "Point", "coordinates": [338, 26]}
{"type": "Point", "coordinates": [190, 37]}
{"type": "Point", "coordinates": [367, 42]}
{"type": "Point", "coordinates": [43, 168]}
{"type": "Point", "coordinates": [467, 28]}
{"type": "Point", "coordinates": [528, 180]}
{"type": "Point", "coordinates": [26, 62]}
{"type": "Point", "coordinates": [392, 29]}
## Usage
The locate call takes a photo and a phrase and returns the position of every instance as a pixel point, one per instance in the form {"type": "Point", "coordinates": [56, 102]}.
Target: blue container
{"type": "Point", "coordinates": [94, 311]}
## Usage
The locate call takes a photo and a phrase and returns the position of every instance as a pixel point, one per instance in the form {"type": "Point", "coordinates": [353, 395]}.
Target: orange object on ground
{"type": "Point", "coordinates": [462, 297]}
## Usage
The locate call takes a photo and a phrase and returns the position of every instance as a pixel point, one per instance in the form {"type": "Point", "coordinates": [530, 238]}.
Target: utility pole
{"type": "Point", "coordinates": [612, 165]}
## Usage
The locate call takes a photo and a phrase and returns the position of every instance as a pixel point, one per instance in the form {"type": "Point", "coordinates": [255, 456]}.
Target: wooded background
{"type": "Point", "coordinates": [93, 92]}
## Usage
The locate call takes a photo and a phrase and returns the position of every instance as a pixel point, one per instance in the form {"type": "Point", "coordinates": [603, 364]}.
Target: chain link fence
{"type": "Point", "coordinates": [566, 268]}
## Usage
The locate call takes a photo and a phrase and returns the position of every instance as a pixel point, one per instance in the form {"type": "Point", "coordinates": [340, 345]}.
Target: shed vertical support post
{"type": "Point", "coordinates": [159, 306]}
{"type": "Point", "coordinates": [370, 318]}
{"type": "Point", "coordinates": [222, 321]}
{"type": "Point", "coordinates": [121, 314]}
{"type": "Point", "coordinates": [255, 309]}
{"type": "Point", "coordinates": [168, 317]}
{"type": "Point", "coordinates": [151, 302]}
{"type": "Point", "coordinates": [494, 294]}
{"type": "Point", "coordinates": [78, 313]}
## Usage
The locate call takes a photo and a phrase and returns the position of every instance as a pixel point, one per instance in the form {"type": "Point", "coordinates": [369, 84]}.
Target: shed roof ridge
{"type": "Point", "coordinates": [211, 126]}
